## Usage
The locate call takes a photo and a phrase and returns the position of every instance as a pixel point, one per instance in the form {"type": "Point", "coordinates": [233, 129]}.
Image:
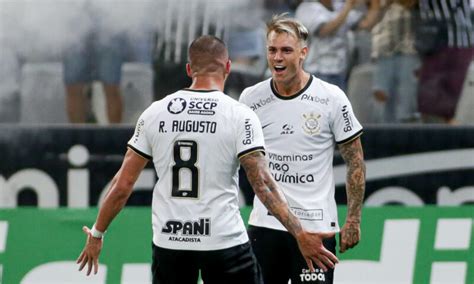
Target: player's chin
{"type": "Point", "coordinates": [278, 75]}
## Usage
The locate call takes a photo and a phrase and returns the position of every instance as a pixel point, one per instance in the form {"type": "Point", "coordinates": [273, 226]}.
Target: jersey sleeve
{"type": "Point", "coordinates": [249, 132]}
{"type": "Point", "coordinates": [139, 142]}
{"type": "Point", "coordinates": [345, 125]}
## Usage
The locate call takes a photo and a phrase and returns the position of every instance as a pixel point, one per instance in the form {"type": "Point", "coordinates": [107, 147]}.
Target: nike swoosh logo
{"type": "Point", "coordinates": [266, 125]}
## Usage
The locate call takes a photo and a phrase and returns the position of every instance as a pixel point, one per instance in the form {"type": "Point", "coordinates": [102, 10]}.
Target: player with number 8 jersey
{"type": "Point", "coordinates": [191, 135]}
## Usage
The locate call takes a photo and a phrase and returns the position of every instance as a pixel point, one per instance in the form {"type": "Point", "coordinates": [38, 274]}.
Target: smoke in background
{"type": "Point", "coordinates": [41, 30]}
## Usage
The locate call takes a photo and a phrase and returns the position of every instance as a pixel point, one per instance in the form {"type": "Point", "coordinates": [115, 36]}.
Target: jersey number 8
{"type": "Point", "coordinates": [185, 170]}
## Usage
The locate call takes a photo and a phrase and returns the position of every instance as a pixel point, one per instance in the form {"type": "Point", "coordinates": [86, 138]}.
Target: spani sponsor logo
{"type": "Point", "coordinates": [188, 228]}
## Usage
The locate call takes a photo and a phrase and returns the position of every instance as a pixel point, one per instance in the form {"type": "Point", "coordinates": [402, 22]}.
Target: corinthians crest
{"type": "Point", "coordinates": [311, 123]}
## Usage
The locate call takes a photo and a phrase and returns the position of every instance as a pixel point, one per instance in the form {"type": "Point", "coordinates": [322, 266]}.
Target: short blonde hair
{"type": "Point", "coordinates": [283, 24]}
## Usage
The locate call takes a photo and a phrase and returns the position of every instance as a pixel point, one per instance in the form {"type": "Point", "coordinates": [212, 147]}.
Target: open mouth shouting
{"type": "Point", "coordinates": [279, 69]}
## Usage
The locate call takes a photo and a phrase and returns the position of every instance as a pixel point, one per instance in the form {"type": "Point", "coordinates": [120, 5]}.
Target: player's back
{"type": "Point", "coordinates": [195, 139]}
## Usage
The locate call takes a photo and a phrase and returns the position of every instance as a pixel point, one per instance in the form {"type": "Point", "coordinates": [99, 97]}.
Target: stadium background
{"type": "Point", "coordinates": [417, 221]}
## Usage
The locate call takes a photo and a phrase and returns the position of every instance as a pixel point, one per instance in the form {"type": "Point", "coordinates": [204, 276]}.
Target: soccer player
{"type": "Point", "coordinates": [196, 138]}
{"type": "Point", "coordinates": [303, 118]}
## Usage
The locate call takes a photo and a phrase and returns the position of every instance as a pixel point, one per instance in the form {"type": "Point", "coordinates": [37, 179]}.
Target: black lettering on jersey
{"type": "Point", "coordinates": [261, 103]}
{"type": "Point", "coordinates": [290, 157]}
{"type": "Point", "coordinates": [138, 130]}
{"type": "Point", "coordinates": [347, 119]}
{"type": "Point", "coordinates": [194, 126]}
{"type": "Point", "coordinates": [161, 127]}
{"type": "Point", "coordinates": [184, 239]}
{"type": "Point", "coordinates": [306, 97]}
{"type": "Point", "coordinates": [202, 105]}
{"type": "Point", "coordinates": [202, 108]}
{"type": "Point", "coordinates": [248, 133]}
{"type": "Point", "coordinates": [293, 178]}
{"type": "Point", "coordinates": [188, 228]}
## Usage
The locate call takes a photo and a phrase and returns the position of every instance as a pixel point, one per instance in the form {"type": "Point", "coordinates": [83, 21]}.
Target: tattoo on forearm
{"type": "Point", "coordinates": [267, 190]}
{"type": "Point", "coordinates": [355, 180]}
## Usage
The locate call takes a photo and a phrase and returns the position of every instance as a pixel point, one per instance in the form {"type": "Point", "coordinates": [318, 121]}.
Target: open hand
{"type": "Point", "coordinates": [90, 253]}
{"type": "Point", "coordinates": [313, 250]}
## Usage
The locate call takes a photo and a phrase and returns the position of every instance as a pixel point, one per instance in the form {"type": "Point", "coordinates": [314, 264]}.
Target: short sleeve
{"type": "Point", "coordinates": [345, 125]}
{"type": "Point", "coordinates": [249, 132]}
{"type": "Point", "coordinates": [139, 142]}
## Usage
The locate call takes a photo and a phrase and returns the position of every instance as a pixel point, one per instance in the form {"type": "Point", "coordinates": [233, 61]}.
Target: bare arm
{"type": "Point", "coordinates": [120, 189]}
{"type": "Point", "coordinates": [268, 191]}
{"type": "Point", "coordinates": [353, 155]}
{"type": "Point", "coordinates": [332, 26]}
{"type": "Point", "coordinates": [371, 17]}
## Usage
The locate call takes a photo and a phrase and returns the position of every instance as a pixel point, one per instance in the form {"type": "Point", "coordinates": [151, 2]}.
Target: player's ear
{"type": "Point", "coordinates": [188, 70]}
{"type": "Point", "coordinates": [227, 67]}
{"type": "Point", "coordinates": [304, 52]}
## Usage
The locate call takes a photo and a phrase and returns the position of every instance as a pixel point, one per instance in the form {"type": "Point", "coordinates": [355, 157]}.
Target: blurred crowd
{"type": "Point", "coordinates": [104, 61]}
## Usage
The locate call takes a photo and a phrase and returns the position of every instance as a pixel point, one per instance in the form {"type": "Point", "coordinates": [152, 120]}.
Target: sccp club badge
{"type": "Point", "coordinates": [311, 124]}
{"type": "Point", "coordinates": [177, 105]}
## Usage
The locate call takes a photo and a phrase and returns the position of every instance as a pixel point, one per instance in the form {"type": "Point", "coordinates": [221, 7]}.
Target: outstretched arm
{"type": "Point", "coordinates": [268, 192]}
{"type": "Point", "coordinates": [353, 155]}
{"type": "Point", "coordinates": [120, 189]}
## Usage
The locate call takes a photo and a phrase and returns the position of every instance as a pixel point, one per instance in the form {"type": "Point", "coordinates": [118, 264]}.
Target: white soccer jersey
{"type": "Point", "coordinates": [300, 136]}
{"type": "Point", "coordinates": [195, 139]}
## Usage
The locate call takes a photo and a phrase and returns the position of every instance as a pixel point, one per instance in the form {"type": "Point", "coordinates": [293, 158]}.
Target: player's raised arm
{"type": "Point", "coordinates": [267, 190]}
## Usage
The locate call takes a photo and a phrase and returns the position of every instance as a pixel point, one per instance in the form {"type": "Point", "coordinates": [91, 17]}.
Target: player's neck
{"type": "Point", "coordinates": [297, 84]}
{"type": "Point", "coordinates": [207, 83]}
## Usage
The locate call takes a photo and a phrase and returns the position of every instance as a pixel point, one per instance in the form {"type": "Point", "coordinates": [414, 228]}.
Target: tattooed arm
{"type": "Point", "coordinates": [355, 187]}
{"type": "Point", "coordinates": [267, 190]}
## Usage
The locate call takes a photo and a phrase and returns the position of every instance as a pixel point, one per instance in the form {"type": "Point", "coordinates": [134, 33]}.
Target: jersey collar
{"type": "Point", "coordinates": [200, 91]}
{"type": "Point", "coordinates": [275, 92]}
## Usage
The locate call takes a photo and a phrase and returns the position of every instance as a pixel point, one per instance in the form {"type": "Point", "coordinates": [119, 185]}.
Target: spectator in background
{"type": "Point", "coordinates": [246, 41]}
{"type": "Point", "coordinates": [275, 7]}
{"type": "Point", "coordinates": [101, 54]}
{"type": "Point", "coordinates": [94, 59]}
{"type": "Point", "coordinates": [445, 41]}
{"type": "Point", "coordinates": [182, 21]}
{"type": "Point", "coordinates": [362, 40]}
{"type": "Point", "coordinates": [329, 22]}
{"type": "Point", "coordinates": [394, 81]}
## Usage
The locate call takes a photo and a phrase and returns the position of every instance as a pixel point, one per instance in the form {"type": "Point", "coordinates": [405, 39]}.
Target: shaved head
{"type": "Point", "coordinates": [208, 54]}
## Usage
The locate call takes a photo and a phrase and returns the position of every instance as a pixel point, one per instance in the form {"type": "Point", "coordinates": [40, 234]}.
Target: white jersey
{"type": "Point", "coordinates": [195, 139]}
{"type": "Point", "coordinates": [300, 136]}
